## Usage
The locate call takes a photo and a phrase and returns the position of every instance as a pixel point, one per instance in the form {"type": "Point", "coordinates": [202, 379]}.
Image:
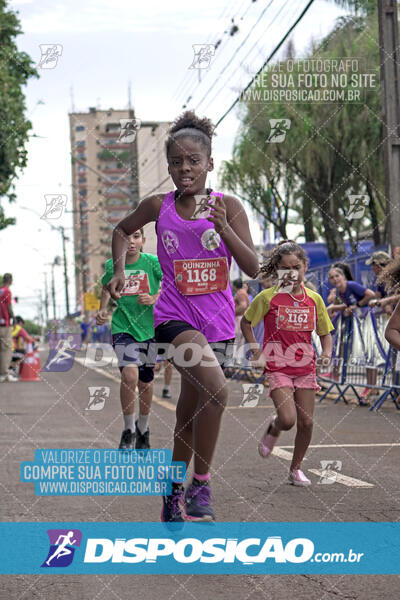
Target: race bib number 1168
{"type": "Point", "coordinates": [203, 276]}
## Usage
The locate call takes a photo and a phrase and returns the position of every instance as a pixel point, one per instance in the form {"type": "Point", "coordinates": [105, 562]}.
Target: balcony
{"type": "Point", "coordinates": [122, 196]}
{"type": "Point", "coordinates": [115, 171]}
{"type": "Point", "coordinates": [116, 146]}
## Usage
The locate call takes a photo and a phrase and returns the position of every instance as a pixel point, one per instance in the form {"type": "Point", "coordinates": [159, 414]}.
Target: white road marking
{"type": "Point", "coordinates": [344, 479]}
{"type": "Point", "coordinates": [282, 453]}
{"type": "Point", "coordinates": [159, 401]}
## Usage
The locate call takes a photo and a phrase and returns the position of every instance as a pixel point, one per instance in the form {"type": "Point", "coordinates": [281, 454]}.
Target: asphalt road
{"type": "Point", "coordinates": [51, 414]}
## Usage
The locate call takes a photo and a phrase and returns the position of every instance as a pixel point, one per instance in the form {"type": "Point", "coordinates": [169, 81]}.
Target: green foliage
{"type": "Point", "coordinates": [31, 327]}
{"type": "Point", "coordinates": [15, 69]}
{"type": "Point", "coordinates": [120, 157]}
{"type": "Point", "coordinates": [330, 151]}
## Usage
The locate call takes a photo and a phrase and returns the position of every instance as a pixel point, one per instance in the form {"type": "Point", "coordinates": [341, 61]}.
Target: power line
{"type": "Point", "coordinates": [252, 79]}
{"type": "Point", "coordinates": [187, 83]}
{"type": "Point", "coordinates": [265, 63]}
{"type": "Point", "coordinates": [147, 168]}
{"type": "Point", "coordinates": [236, 51]}
{"type": "Point", "coordinates": [244, 58]}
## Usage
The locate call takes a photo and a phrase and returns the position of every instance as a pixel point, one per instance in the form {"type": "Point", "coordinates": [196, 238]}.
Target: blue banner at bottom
{"type": "Point", "coordinates": [221, 548]}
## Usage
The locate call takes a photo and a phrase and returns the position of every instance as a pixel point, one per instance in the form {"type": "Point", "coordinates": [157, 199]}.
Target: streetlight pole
{"type": "Point", "coordinates": [65, 269]}
{"type": "Point", "coordinates": [64, 238]}
{"type": "Point", "coordinates": [56, 262]}
{"type": "Point", "coordinates": [46, 298]}
{"type": "Point", "coordinates": [53, 291]}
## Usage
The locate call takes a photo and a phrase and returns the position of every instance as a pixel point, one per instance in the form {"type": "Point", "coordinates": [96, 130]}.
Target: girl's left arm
{"type": "Point", "coordinates": [392, 333]}
{"type": "Point", "coordinates": [231, 222]}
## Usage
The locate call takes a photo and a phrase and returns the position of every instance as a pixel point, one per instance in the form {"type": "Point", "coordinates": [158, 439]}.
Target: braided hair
{"type": "Point", "coordinates": [189, 125]}
{"type": "Point", "coordinates": [270, 266]}
{"type": "Point", "coordinates": [390, 276]}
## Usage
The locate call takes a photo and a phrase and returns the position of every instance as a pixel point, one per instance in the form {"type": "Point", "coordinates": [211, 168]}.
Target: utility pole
{"type": "Point", "coordinates": [53, 291]}
{"type": "Point", "coordinates": [46, 299]}
{"type": "Point", "coordinates": [389, 58]}
{"type": "Point", "coordinates": [65, 269]}
{"type": "Point", "coordinates": [134, 179]}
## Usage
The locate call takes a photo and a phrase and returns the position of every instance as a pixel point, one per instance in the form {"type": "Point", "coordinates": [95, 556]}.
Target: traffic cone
{"type": "Point", "coordinates": [30, 366]}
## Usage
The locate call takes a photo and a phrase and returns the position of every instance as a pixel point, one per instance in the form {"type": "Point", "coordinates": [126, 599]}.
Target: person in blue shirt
{"type": "Point", "coordinates": [349, 294]}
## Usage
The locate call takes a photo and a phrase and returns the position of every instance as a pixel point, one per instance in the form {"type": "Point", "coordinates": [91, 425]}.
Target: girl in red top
{"type": "Point", "coordinates": [291, 312]}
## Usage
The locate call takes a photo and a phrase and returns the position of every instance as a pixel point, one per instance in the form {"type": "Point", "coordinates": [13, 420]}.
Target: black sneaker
{"type": "Point", "coordinates": [172, 510]}
{"type": "Point", "coordinates": [166, 393]}
{"type": "Point", "coordinates": [142, 439]}
{"type": "Point", "coordinates": [127, 440]}
{"type": "Point", "coordinates": [197, 502]}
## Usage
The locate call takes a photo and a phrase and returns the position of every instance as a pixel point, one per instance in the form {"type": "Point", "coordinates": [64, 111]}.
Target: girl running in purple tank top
{"type": "Point", "coordinates": [198, 232]}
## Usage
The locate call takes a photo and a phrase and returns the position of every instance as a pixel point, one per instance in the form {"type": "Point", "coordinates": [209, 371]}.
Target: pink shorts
{"type": "Point", "coordinates": [280, 380]}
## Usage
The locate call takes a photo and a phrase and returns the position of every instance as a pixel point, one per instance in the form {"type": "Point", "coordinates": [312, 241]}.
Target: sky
{"type": "Point", "coordinates": [106, 45]}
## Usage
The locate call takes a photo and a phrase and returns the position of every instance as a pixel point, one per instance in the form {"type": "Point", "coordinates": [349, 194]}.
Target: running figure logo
{"type": "Point", "coordinates": [203, 207]}
{"type": "Point", "coordinates": [252, 393]}
{"type": "Point", "coordinates": [203, 54]}
{"type": "Point", "coordinates": [62, 352]}
{"type": "Point", "coordinates": [55, 204]}
{"type": "Point", "coordinates": [329, 471]}
{"type": "Point", "coordinates": [287, 279]}
{"type": "Point", "coordinates": [61, 551]}
{"type": "Point", "coordinates": [97, 397]}
{"type": "Point", "coordinates": [357, 206]}
{"type": "Point", "coordinates": [129, 127]}
{"type": "Point", "coordinates": [50, 54]}
{"type": "Point", "coordinates": [279, 128]}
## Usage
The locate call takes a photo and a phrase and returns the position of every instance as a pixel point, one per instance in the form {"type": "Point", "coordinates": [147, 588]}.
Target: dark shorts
{"type": "Point", "coordinates": [167, 332]}
{"type": "Point", "coordinates": [131, 352]}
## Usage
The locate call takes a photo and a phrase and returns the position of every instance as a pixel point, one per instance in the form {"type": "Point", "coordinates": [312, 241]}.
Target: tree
{"type": "Point", "coordinates": [15, 69]}
{"type": "Point", "coordinates": [328, 152]}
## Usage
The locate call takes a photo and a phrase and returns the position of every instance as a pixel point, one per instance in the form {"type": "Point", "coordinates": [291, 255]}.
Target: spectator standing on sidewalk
{"type": "Point", "coordinates": [6, 317]}
{"type": "Point", "coordinates": [242, 302]}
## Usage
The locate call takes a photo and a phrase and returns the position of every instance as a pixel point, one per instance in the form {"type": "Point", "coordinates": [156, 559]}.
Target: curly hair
{"type": "Point", "coordinates": [270, 266]}
{"type": "Point", "coordinates": [390, 276]}
{"type": "Point", "coordinates": [188, 124]}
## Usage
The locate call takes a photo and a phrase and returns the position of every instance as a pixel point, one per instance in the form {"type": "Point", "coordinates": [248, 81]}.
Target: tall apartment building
{"type": "Point", "coordinates": [109, 177]}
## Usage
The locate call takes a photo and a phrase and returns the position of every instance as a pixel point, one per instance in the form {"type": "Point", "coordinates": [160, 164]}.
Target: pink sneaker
{"type": "Point", "coordinates": [267, 442]}
{"type": "Point", "coordinates": [297, 477]}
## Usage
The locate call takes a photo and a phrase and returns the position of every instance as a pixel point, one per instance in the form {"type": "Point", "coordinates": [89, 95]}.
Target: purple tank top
{"type": "Point", "coordinates": [179, 243]}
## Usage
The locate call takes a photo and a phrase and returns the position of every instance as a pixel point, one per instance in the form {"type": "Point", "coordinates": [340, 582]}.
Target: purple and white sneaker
{"type": "Point", "coordinates": [197, 502]}
{"type": "Point", "coordinates": [173, 505]}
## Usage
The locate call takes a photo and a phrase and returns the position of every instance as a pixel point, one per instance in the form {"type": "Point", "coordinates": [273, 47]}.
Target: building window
{"type": "Point", "coordinates": [82, 192]}
{"type": "Point", "coordinates": [81, 168]}
{"type": "Point", "coordinates": [82, 179]}
{"type": "Point", "coordinates": [80, 128]}
{"type": "Point", "coordinates": [82, 156]}
{"type": "Point", "coordinates": [81, 143]}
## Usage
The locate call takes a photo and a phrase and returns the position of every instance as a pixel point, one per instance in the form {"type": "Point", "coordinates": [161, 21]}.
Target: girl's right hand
{"type": "Point", "coordinates": [115, 285]}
